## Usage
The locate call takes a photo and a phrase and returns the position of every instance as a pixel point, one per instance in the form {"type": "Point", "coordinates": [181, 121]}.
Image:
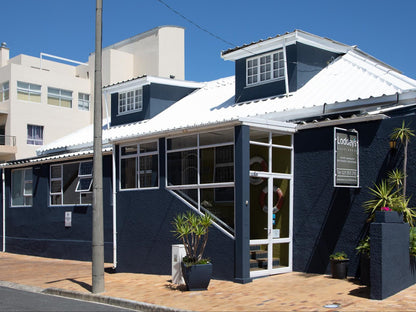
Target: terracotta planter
{"type": "Point", "coordinates": [198, 276]}
{"type": "Point", "coordinates": [339, 268]}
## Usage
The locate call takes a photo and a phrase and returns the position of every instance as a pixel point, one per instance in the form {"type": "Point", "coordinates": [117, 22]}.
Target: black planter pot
{"type": "Point", "coordinates": [365, 269]}
{"type": "Point", "coordinates": [389, 217]}
{"type": "Point", "coordinates": [339, 268]}
{"type": "Point", "coordinates": [198, 276]}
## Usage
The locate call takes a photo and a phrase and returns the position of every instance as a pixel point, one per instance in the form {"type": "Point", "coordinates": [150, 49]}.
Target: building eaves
{"type": "Point", "coordinates": [52, 158]}
{"type": "Point", "coordinates": [282, 40]}
{"type": "Point", "coordinates": [145, 79]}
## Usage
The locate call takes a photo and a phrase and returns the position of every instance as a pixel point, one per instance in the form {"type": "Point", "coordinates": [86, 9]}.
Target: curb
{"type": "Point", "coordinates": [119, 302]}
{"type": "Point", "coordinates": [122, 303]}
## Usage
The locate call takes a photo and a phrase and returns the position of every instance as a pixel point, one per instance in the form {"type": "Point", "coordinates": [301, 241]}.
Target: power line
{"type": "Point", "coordinates": [196, 25]}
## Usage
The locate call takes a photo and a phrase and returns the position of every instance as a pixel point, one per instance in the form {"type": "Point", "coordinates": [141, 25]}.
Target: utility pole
{"type": "Point", "coordinates": [97, 208]}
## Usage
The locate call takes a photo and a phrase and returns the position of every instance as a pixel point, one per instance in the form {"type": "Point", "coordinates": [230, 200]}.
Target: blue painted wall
{"type": "Point", "coordinates": [40, 230]}
{"type": "Point", "coordinates": [145, 238]}
{"type": "Point", "coordinates": [303, 62]}
{"type": "Point", "coordinates": [328, 219]}
{"type": "Point", "coordinates": [156, 98]}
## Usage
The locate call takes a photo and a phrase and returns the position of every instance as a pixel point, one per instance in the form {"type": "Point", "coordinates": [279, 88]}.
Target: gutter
{"type": "Point", "coordinates": [4, 208]}
{"type": "Point", "coordinates": [114, 208]}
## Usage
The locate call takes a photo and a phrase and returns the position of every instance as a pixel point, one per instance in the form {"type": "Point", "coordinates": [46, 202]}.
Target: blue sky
{"type": "Point", "coordinates": [383, 28]}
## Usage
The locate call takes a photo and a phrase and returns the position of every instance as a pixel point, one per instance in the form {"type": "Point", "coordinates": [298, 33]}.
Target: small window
{"type": "Point", "coordinates": [265, 67]}
{"type": "Point", "coordinates": [34, 135]}
{"type": "Point", "coordinates": [21, 187]}
{"type": "Point", "coordinates": [85, 177]}
{"type": "Point", "coordinates": [4, 91]}
{"type": "Point", "coordinates": [130, 101]}
{"type": "Point", "coordinates": [83, 101]}
{"type": "Point", "coordinates": [28, 91]}
{"type": "Point", "coordinates": [139, 166]}
{"type": "Point", "coordinates": [59, 97]}
{"type": "Point", "coordinates": [71, 183]}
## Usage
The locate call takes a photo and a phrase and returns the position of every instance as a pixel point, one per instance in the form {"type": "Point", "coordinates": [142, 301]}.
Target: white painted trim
{"type": "Point", "coordinates": [59, 58]}
{"type": "Point", "coordinates": [288, 39]}
{"type": "Point", "coordinates": [136, 156]}
{"type": "Point", "coordinates": [3, 197]}
{"type": "Point", "coordinates": [141, 81]}
{"type": "Point", "coordinates": [197, 211]}
{"type": "Point", "coordinates": [270, 241]}
{"type": "Point", "coordinates": [113, 164]}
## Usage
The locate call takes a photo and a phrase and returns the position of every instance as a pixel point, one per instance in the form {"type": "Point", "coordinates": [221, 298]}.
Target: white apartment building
{"type": "Point", "coordinates": [45, 98]}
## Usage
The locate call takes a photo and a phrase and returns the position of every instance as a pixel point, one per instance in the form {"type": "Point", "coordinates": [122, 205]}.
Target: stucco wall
{"type": "Point", "coordinates": [328, 219]}
{"type": "Point", "coordinates": [40, 229]}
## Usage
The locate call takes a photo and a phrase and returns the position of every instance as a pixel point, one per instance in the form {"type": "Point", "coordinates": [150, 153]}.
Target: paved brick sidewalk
{"type": "Point", "coordinates": [285, 292]}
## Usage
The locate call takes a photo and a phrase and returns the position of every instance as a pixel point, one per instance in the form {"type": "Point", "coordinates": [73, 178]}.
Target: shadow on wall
{"type": "Point", "coordinates": [330, 232]}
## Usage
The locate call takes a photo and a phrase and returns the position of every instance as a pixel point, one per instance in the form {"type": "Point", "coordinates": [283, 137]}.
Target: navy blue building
{"type": "Point", "coordinates": [255, 150]}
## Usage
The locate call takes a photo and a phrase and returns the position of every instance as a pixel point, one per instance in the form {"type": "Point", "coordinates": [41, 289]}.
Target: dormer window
{"type": "Point", "coordinates": [130, 101]}
{"type": "Point", "coordinates": [265, 67]}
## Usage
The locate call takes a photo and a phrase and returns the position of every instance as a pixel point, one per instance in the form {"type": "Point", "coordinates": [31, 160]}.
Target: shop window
{"type": "Point", "coordinates": [139, 166]}
{"type": "Point", "coordinates": [71, 183]}
{"type": "Point", "coordinates": [200, 169]}
{"type": "Point", "coordinates": [21, 187]}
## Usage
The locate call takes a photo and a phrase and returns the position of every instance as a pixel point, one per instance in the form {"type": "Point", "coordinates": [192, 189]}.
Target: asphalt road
{"type": "Point", "coordinates": [19, 300]}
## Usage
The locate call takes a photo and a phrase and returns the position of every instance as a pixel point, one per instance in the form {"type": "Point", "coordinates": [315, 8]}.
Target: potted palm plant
{"type": "Point", "coordinates": [339, 265]}
{"type": "Point", "coordinates": [192, 230]}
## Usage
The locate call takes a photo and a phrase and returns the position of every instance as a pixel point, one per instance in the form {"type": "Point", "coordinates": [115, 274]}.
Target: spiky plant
{"type": "Point", "coordinates": [385, 195]}
{"type": "Point", "coordinates": [395, 178]}
{"type": "Point", "coordinates": [192, 230]}
{"type": "Point", "coordinates": [403, 134]}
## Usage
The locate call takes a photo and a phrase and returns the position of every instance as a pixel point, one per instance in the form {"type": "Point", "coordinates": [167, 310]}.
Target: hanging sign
{"type": "Point", "coordinates": [346, 158]}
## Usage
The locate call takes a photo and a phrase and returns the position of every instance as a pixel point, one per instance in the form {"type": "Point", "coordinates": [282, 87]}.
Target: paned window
{"type": "Point", "coordinates": [28, 91]}
{"type": "Point", "coordinates": [265, 67]}
{"type": "Point", "coordinates": [34, 135]}
{"type": "Point", "coordinates": [4, 91]}
{"type": "Point", "coordinates": [21, 188]}
{"type": "Point", "coordinates": [59, 97]}
{"type": "Point", "coordinates": [130, 101]}
{"type": "Point", "coordinates": [139, 166]}
{"type": "Point", "coordinates": [71, 184]}
{"type": "Point", "coordinates": [83, 101]}
{"type": "Point", "coordinates": [200, 169]}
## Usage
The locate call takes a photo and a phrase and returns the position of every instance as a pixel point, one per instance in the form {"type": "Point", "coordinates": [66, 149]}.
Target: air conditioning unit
{"type": "Point", "coordinates": [178, 252]}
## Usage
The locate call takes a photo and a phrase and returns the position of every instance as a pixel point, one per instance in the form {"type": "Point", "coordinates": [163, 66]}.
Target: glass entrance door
{"type": "Point", "coordinates": [271, 184]}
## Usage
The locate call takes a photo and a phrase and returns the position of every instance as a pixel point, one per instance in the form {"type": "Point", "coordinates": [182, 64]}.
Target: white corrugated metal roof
{"type": "Point", "coordinates": [31, 161]}
{"type": "Point", "coordinates": [348, 78]}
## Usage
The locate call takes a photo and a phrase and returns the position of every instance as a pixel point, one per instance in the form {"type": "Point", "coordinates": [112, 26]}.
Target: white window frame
{"type": "Point", "coordinates": [83, 101]}
{"type": "Point", "coordinates": [60, 179]}
{"type": "Point", "coordinates": [265, 68]}
{"type": "Point", "coordinates": [60, 95]}
{"type": "Point", "coordinates": [84, 176]}
{"type": "Point", "coordinates": [31, 89]}
{"type": "Point", "coordinates": [28, 197]}
{"type": "Point", "coordinates": [139, 172]}
{"type": "Point", "coordinates": [4, 91]}
{"type": "Point", "coordinates": [32, 139]}
{"type": "Point", "coordinates": [225, 228]}
{"type": "Point", "coordinates": [130, 101]}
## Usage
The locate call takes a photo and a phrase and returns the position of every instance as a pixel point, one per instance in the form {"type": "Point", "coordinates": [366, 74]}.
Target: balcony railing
{"type": "Point", "coordinates": [9, 140]}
